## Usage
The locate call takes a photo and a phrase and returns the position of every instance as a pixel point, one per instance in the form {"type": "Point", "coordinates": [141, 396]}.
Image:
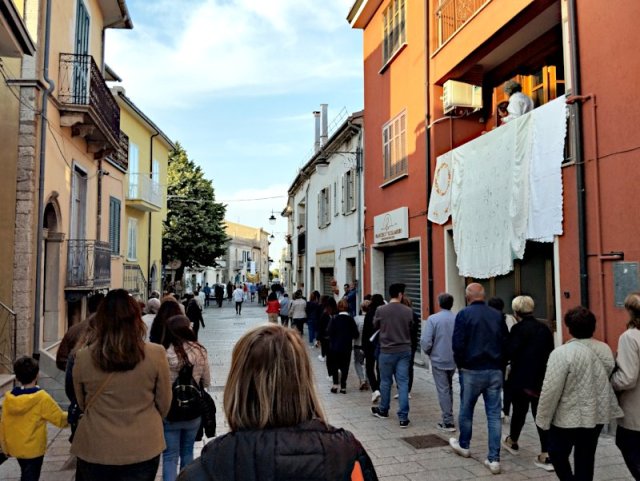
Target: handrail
{"type": "Point", "coordinates": [451, 15]}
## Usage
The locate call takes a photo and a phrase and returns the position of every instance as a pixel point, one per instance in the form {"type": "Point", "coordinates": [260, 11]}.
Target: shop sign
{"type": "Point", "coordinates": [392, 225]}
{"type": "Point", "coordinates": [325, 259]}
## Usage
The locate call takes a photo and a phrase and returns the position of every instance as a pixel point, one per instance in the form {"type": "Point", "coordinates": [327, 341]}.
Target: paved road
{"type": "Point", "coordinates": [394, 458]}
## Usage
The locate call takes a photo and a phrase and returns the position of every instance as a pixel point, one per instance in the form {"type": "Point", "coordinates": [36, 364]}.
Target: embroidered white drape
{"type": "Point", "coordinates": [506, 187]}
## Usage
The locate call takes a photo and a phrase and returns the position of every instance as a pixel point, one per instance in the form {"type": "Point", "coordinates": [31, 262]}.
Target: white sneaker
{"type": "Point", "coordinates": [455, 445]}
{"type": "Point", "coordinates": [544, 463]}
{"type": "Point", "coordinates": [321, 358]}
{"type": "Point", "coordinates": [375, 396]}
{"type": "Point", "coordinates": [396, 396]}
{"type": "Point", "coordinates": [494, 466]}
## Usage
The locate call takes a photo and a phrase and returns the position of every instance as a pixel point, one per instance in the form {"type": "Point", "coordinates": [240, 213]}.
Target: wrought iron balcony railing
{"type": "Point", "coordinates": [82, 85]}
{"type": "Point", "coordinates": [144, 188]}
{"type": "Point", "coordinates": [120, 157]}
{"type": "Point", "coordinates": [134, 280]}
{"type": "Point", "coordinates": [451, 15]}
{"type": "Point", "coordinates": [88, 264]}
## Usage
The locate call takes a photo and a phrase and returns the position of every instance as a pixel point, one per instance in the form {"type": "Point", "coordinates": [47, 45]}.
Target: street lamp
{"type": "Point", "coordinates": [272, 219]}
{"type": "Point", "coordinates": [272, 236]}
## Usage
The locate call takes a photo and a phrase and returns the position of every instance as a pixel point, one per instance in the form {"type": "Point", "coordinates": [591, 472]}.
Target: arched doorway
{"type": "Point", "coordinates": [53, 239]}
{"type": "Point", "coordinates": [153, 279]}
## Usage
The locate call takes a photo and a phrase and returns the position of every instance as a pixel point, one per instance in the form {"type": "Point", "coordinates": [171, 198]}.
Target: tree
{"type": "Point", "coordinates": [194, 231]}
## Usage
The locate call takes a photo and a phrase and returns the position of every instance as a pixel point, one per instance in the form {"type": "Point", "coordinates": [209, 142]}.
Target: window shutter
{"type": "Point", "coordinates": [320, 209]}
{"type": "Point", "coordinates": [328, 206]}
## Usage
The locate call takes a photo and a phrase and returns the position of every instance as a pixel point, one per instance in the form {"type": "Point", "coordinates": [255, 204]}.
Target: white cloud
{"type": "Point", "coordinates": [234, 47]}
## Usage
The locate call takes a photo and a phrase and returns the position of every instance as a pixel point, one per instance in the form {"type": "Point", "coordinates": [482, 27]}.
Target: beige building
{"type": "Point", "coordinates": [66, 168]}
{"type": "Point", "coordinates": [247, 257]}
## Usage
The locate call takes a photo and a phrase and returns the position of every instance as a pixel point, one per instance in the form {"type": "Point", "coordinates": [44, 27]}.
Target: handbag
{"type": "Point", "coordinates": [208, 420]}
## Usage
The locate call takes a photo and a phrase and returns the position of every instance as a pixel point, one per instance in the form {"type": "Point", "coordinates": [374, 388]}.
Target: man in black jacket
{"type": "Point", "coordinates": [530, 343]}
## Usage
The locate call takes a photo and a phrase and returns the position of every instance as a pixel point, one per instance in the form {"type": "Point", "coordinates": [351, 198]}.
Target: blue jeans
{"type": "Point", "coordinates": [311, 326]}
{"type": "Point", "coordinates": [395, 364]}
{"type": "Point", "coordinates": [488, 383]}
{"type": "Point", "coordinates": [180, 438]}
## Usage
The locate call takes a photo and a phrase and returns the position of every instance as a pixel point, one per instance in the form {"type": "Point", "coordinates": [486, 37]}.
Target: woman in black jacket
{"type": "Point", "coordinates": [342, 330]}
{"type": "Point", "coordinates": [369, 347]}
{"type": "Point", "coordinates": [328, 309]}
{"type": "Point", "coordinates": [529, 346]}
{"type": "Point", "coordinates": [278, 428]}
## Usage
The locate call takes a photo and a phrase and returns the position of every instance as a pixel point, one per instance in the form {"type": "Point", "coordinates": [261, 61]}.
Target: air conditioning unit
{"type": "Point", "coordinates": [458, 95]}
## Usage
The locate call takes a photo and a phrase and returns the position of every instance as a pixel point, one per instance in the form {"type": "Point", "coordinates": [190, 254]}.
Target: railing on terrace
{"type": "Point", "coordinates": [121, 155]}
{"type": "Point", "coordinates": [451, 15]}
{"type": "Point", "coordinates": [134, 281]}
{"type": "Point", "coordinates": [143, 187]}
{"type": "Point", "coordinates": [88, 264]}
{"type": "Point", "coordinates": [82, 84]}
{"type": "Point", "coordinates": [8, 338]}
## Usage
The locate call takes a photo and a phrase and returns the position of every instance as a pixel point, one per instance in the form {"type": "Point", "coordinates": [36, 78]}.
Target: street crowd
{"type": "Point", "coordinates": [138, 385]}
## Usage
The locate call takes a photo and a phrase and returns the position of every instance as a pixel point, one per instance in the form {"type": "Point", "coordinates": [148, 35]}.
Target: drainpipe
{"type": "Point", "coordinates": [306, 237]}
{"type": "Point", "coordinates": [359, 169]}
{"type": "Point", "coordinates": [99, 206]}
{"type": "Point", "coordinates": [149, 239]}
{"type": "Point", "coordinates": [43, 139]}
{"type": "Point", "coordinates": [579, 156]}
{"type": "Point", "coordinates": [427, 122]}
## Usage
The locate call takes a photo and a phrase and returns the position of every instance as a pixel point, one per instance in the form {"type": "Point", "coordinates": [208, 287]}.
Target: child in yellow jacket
{"type": "Point", "coordinates": [25, 412]}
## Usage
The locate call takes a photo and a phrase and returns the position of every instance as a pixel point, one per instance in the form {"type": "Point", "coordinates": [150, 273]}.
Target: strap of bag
{"type": "Point", "coordinates": [100, 389]}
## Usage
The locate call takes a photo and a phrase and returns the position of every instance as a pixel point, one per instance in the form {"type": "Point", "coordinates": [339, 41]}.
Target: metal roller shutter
{"type": "Point", "coordinates": [402, 264]}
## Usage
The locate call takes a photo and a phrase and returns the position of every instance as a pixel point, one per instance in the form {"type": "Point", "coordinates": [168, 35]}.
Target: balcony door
{"type": "Point", "coordinates": [78, 204]}
{"type": "Point", "coordinates": [82, 65]}
{"type": "Point", "coordinates": [134, 171]}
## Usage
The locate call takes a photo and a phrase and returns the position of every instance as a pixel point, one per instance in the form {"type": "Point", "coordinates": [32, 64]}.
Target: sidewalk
{"type": "Point", "coordinates": [395, 459]}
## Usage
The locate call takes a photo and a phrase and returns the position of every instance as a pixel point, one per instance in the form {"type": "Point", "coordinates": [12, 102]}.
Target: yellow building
{"type": "Point", "coordinates": [145, 194]}
{"type": "Point", "coordinates": [16, 41]}
{"type": "Point", "coordinates": [68, 146]}
{"type": "Point", "coordinates": [247, 258]}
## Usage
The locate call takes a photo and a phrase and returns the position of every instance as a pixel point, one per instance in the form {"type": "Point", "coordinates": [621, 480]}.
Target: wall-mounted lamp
{"type": "Point", "coordinates": [322, 167]}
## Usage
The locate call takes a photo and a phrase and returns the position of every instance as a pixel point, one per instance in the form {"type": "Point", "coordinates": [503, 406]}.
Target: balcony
{"type": "Point", "coordinates": [144, 193]}
{"type": "Point", "coordinates": [451, 15]}
{"type": "Point", "coordinates": [120, 158]}
{"type": "Point", "coordinates": [87, 105]}
{"type": "Point", "coordinates": [134, 281]}
{"type": "Point", "coordinates": [88, 264]}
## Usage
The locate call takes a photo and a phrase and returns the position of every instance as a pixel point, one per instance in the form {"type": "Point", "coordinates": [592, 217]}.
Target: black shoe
{"type": "Point", "coordinates": [334, 390]}
{"type": "Point", "coordinates": [405, 423]}
{"type": "Point", "coordinates": [379, 414]}
{"type": "Point", "coordinates": [343, 391]}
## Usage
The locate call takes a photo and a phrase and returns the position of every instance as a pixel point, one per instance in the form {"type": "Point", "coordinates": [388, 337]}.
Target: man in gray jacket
{"type": "Point", "coordinates": [436, 343]}
{"type": "Point", "coordinates": [393, 321]}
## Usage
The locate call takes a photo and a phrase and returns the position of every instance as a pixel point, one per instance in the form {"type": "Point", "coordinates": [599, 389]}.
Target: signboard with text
{"type": "Point", "coordinates": [392, 225]}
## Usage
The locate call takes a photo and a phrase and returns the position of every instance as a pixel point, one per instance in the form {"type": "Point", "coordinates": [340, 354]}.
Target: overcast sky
{"type": "Point", "coordinates": [235, 81]}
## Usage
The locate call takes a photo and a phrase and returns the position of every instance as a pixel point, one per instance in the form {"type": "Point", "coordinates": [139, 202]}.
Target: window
{"type": "Point", "coordinates": [394, 29]}
{"type": "Point", "coordinates": [133, 170]}
{"type": "Point", "coordinates": [324, 208]}
{"type": "Point", "coordinates": [132, 240]}
{"type": "Point", "coordinates": [349, 192]}
{"type": "Point", "coordinates": [78, 203]}
{"type": "Point", "coordinates": [394, 144]}
{"type": "Point", "coordinates": [335, 199]}
{"type": "Point", "coordinates": [114, 225]}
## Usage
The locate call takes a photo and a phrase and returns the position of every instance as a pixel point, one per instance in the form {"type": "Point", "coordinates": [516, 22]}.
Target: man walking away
{"type": "Point", "coordinates": [229, 291]}
{"type": "Point", "coordinates": [436, 343]}
{"type": "Point", "coordinates": [394, 323]}
{"type": "Point", "coordinates": [207, 294]}
{"type": "Point", "coordinates": [238, 297]}
{"type": "Point", "coordinates": [479, 349]}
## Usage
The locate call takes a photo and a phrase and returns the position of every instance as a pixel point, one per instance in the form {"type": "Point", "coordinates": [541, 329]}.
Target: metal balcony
{"type": "Point", "coordinates": [120, 158]}
{"type": "Point", "coordinates": [451, 15]}
{"type": "Point", "coordinates": [88, 264]}
{"type": "Point", "coordinates": [134, 281]}
{"type": "Point", "coordinates": [144, 193]}
{"type": "Point", "coordinates": [87, 105]}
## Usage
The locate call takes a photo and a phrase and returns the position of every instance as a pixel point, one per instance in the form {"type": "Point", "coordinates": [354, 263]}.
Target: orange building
{"type": "Point", "coordinates": [412, 50]}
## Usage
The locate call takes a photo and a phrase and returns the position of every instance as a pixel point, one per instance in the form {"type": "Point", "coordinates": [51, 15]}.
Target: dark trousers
{"type": "Point", "coordinates": [30, 468]}
{"type": "Point", "coordinates": [299, 324]}
{"type": "Point", "coordinates": [373, 372]}
{"type": "Point", "coordinates": [628, 442]}
{"type": "Point", "coordinates": [206, 301]}
{"type": "Point", "coordinates": [339, 361]}
{"type": "Point", "coordinates": [284, 320]}
{"type": "Point", "coordinates": [144, 471]}
{"type": "Point", "coordinates": [520, 402]}
{"type": "Point", "coordinates": [506, 397]}
{"type": "Point", "coordinates": [238, 307]}
{"type": "Point", "coordinates": [583, 441]}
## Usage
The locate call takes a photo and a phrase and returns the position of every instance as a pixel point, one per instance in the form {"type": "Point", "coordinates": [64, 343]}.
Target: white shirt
{"type": "Point", "coordinates": [238, 295]}
{"type": "Point", "coordinates": [519, 104]}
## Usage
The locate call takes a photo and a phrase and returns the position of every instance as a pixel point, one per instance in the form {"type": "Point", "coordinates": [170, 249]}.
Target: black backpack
{"type": "Point", "coordinates": [186, 403]}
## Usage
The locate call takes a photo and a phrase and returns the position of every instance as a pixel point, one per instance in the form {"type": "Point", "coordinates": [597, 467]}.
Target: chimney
{"type": "Point", "coordinates": [324, 135]}
{"type": "Point", "coordinates": [316, 144]}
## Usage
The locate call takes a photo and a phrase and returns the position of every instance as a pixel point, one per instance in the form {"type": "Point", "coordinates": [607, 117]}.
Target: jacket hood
{"type": "Point", "coordinates": [20, 400]}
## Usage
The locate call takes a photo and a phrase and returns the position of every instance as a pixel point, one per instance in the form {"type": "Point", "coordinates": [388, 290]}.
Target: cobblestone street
{"type": "Point", "coordinates": [395, 459]}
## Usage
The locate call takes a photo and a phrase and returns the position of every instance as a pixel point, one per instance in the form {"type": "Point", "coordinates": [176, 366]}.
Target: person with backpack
{"type": "Point", "coordinates": [189, 374]}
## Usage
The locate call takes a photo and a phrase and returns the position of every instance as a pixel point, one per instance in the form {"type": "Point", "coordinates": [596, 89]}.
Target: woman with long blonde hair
{"type": "Point", "coordinates": [278, 427]}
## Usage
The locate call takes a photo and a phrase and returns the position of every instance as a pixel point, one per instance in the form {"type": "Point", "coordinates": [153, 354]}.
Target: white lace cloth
{"type": "Point", "coordinates": [489, 199]}
{"type": "Point", "coordinates": [440, 199]}
{"type": "Point", "coordinates": [545, 210]}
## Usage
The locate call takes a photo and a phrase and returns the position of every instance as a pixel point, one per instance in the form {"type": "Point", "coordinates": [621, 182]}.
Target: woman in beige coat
{"type": "Point", "coordinates": [122, 385]}
{"type": "Point", "coordinates": [626, 380]}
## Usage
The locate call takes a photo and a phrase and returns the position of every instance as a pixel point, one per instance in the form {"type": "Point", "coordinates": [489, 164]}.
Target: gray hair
{"type": "Point", "coordinates": [153, 305]}
{"type": "Point", "coordinates": [523, 305]}
{"type": "Point", "coordinates": [511, 87]}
